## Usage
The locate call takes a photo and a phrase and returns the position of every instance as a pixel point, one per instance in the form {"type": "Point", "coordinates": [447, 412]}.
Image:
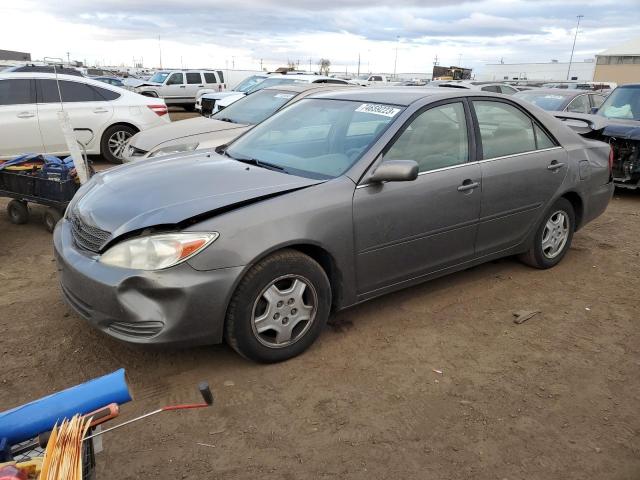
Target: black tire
{"type": "Point", "coordinates": [18, 212]}
{"type": "Point", "coordinates": [536, 256]}
{"type": "Point", "coordinates": [239, 324]}
{"type": "Point", "coordinates": [189, 108]}
{"type": "Point", "coordinates": [124, 130]}
{"type": "Point", "coordinates": [51, 217]}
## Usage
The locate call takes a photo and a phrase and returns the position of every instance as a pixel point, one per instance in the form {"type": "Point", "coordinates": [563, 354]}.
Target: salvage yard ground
{"type": "Point", "coordinates": [432, 382]}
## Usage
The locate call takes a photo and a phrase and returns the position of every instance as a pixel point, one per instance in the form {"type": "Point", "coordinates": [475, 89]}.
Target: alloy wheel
{"type": "Point", "coordinates": [555, 234]}
{"type": "Point", "coordinates": [117, 142]}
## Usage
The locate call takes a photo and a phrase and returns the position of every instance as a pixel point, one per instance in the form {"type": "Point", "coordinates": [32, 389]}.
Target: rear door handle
{"type": "Point", "coordinates": [182, 86]}
{"type": "Point", "coordinates": [468, 184]}
{"type": "Point", "coordinates": [201, 85]}
{"type": "Point", "coordinates": [26, 115]}
{"type": "Point", "coordinates": [100, 110]}
{"type": "Point", "coordinates": [555, 165]}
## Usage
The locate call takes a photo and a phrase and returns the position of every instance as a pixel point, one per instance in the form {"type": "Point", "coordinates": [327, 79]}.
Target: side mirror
{"type": "Point", "coordinates": [395, 171]}
{"type": "Point", "coordinates": [594, 110]}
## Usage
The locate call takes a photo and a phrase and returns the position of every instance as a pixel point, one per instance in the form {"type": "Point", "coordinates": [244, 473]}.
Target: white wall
{"type": "Point", "coordinates": [536, 71]}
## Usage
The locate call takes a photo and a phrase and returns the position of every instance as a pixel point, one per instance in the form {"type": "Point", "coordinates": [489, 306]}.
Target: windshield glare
{"type": "Point", "coordinates": [159, 77]}
{"type": "Point", "coordinates": [249, 82]}
{"type": "Point", "coordinates": [546, 101]}
{"type": "Point", "coordinates": [316, 138]}
{"type": "Point", "coordinates": [271, 82]}
{"type": "Point", "coordinates": [254, 108]}
{"type": "Point", "coordinates": [624, 103]}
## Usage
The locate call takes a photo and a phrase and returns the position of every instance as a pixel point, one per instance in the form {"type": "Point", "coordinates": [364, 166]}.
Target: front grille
{"type": "Point", "coordinates": [207, 105]}
{"type": "Point", "coordinates": [138, 329]}
{"type": "Point", "coordinates": [87, 236]}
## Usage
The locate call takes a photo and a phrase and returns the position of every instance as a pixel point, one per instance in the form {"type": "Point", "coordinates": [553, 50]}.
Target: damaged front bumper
{"type": "Point", "coordinates": [178, 305]}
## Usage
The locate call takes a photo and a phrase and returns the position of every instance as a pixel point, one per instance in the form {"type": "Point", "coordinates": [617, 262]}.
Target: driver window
{"type": "Point", "coordinates": [436, 138]}
{"type": "Point", "coordinates": [175, 79]}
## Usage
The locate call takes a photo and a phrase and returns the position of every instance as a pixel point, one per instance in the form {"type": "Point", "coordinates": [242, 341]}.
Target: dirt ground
{"type": "Point", "coordinates": [554, 398]}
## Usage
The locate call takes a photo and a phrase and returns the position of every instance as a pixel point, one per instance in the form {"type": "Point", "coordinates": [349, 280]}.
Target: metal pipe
{"type": "Point", "coordinates": [574, 46]}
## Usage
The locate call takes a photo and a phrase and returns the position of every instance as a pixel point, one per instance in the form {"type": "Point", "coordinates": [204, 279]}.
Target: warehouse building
{"type": "Point", "coordinates": [9, 58]}
{"type": "Point", "coordinates": [549, 71]}
{"type": "Point", "coordinates": [620, 64]}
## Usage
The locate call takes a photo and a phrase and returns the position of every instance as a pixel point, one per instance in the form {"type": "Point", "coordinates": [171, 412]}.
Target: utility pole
{"type": "Point", "coordinates": [68, 59]}
{"type": "Point", "coordinates": [574, 46]}
{"type": "Point", "coordinates": [160, 50]}
{"type": "Point", "coordinates": [233, 63]}
{"type": "Point", "coordinates": [309, 65]}
{"type": "Point", "coordinates": [395, 62]}
{"type": "Point", "coordinates": [358, 64]}
{"type": "Point", "coordinates": [260, 64]}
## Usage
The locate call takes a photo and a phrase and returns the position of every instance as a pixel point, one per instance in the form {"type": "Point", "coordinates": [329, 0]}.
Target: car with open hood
{"type": "Point", "coordinates": [617, 122]}
{"type": "Point", "coordinates": [210, 132]}
{"type": "Point", "coordinates": [334, 200]}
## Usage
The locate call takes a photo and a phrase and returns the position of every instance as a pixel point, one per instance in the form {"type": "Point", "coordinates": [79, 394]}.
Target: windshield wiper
{"type": "Point", "coordinates": [256, 162]}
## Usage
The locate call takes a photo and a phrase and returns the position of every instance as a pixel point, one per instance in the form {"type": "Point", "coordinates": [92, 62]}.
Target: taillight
{"type": "Point", "coordinates": [159, 109]}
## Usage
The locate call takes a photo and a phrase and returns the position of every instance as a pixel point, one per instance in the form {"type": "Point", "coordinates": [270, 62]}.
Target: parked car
{"type": "Point", "coordinates": [104, 116]}
{"type": "Point", "coordinates": [210, 132]}
{"type": "Point", "coordinates": [569, 100]}
{"type": "Point", "coordinates": [616, 122]}
{"type": "Point", "coordinates": [336, 199]}
{"type": "Point", "coordinates": [593, 86]}
{"type": "Point", "coordinates": [179, 87]}
{"type": "Point", "coordinates": [115, 81]}
{"type": "Point", "coordinates": [244, 86]}
{"type": "Point", "coordinates": [479, 86]}
{"type": "Point", "coordinates": [31, 68]}
{"type": "Point", "coordinates": [220, 101]}
{"type": "Point", "coordinates": [378, 80]}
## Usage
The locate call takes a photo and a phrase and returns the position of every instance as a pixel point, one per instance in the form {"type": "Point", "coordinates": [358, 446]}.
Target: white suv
{"type": "Point", "coordinates": [179, 87]}
{"type": "Point", "coordinates": [103, 116]}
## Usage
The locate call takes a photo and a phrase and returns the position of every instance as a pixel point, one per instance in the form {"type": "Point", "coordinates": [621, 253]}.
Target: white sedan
{"type": "Point", "coordinates": [103, 116]}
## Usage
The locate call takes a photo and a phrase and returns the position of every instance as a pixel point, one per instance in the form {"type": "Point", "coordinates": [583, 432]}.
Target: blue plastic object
{"type": "Point", "coordinates": [27, 421]}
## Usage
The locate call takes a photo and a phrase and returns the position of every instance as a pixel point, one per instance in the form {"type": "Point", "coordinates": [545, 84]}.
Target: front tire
{"type": "Point", "coordinates": [279, 308]}
{"type": "Point", "coordinates": [553, 237]}
{"type": "Point", "coordinates": [113, 142]}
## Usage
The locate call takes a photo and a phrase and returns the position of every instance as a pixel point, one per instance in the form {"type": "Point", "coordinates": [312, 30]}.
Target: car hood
{"type": "Point", "coordinates": [174, 190]}
{"type": "Point", "coordinates": [147, 140]}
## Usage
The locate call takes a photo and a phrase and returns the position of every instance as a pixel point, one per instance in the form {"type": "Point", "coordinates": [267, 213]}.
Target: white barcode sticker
{"type": "Point", "coordinates": [378, 109]}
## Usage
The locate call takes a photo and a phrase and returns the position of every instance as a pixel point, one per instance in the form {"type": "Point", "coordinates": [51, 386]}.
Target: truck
{"type": "Point", "coordinates": [370, 80]}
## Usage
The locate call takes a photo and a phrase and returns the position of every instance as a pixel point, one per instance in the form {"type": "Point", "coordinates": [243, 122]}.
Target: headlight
{"type": "Point", "coordinates": [185, 147]}
{"type": "Point", "coordinates": [156, 252]}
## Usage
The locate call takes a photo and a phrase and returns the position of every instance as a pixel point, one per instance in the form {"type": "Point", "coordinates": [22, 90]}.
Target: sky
{"type": "Point", "coordinates": [245, 34]}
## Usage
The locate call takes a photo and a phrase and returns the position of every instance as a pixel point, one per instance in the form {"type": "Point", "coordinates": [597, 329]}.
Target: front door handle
{"type": "Point", "coordinates": [100, 110]}
{"type": "Point", "coordinates": [182, 86]}
{"type": "Point", "coordinates": [201, 85]}
{"type": "Point", "coordinates": [555, 165]}
{"type": "Point", "coordinates": [467, 185]}
{"type": "Point", "coordinates": [26, 115]}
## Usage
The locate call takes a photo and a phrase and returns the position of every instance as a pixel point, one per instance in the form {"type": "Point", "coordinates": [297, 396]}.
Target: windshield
{"type": "Point", "coordinates": [546, 101]}
{"type": "Point", "coordinates": [254, 108]}
{"type": "Point", "coordinates": [248, 82]}
{"type": "Point", "coordinates": [159, 77]}
{"type": "Point", "coordinates": [316, 138]}
{"type": "Point", "coordinates": [624, 102]}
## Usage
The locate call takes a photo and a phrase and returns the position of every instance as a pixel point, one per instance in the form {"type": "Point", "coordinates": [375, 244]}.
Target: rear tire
{"type": "Point", "coordinates": [51, 217]}
{"type": "Point", "coordinates": [113, 142]}
{"type": "Point", "coordinates": [18, 212]}
{"type": "Point", "coordinates": [279, 308]}
{"type": "Point", "coordinates": [553, 237]}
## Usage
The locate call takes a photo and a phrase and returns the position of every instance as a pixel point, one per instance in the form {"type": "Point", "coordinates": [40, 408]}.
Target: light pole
{"type": "Point", "coordinates": [574, 46]}
{"type": "Point", "coordinates": [395, 62]}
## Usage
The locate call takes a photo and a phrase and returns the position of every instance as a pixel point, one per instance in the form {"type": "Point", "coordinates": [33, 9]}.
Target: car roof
{"type": "Point", "coordinates": [303, 87]}
{"type": "Point", "coordinates": [403, 96]}
{"type": "Point", "coordinates": [61, 76]}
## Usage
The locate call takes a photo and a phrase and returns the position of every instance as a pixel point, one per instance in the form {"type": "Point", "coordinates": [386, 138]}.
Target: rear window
{"type": "Point", "coordinates": [15, 92]}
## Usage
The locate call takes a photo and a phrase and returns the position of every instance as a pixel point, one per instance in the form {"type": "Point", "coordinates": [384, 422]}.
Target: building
{"type": "Point", "coordinates": [9, 58]}
{"type": "Point", "coordinates": [551, 71]}
{"type": "Point", "coordinates": [620, 64]}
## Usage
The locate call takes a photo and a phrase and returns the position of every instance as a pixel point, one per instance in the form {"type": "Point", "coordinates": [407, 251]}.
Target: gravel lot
{"type": "Point", "coordinates": [554, 398]}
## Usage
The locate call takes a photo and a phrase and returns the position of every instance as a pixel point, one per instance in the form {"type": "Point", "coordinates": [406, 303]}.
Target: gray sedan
{"type": "Point", "coordinates": [336, 199]}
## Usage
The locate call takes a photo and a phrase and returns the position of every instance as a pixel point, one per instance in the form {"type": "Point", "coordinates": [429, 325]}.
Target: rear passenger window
{"type": "Point", "coordinates": [221, 76]}
{"type": "Point", "coordinates": [72, 92]}
{"type": "Point", "coordinates": [504, 129]}
{"type": "Point", "coordinates": [436, 138]}
{"type": "Point", "coordinates": [210, 77]}
{"type": "Point", "coordinates": [597, 100]}
{"type": "Point", "coordinates": [580, 104]}
{"type": "Point", "coordinates": [542, 139]}
{"type": "Point", "coordinates": [193, 77]}
{"type": "Point", "coordinates": [15, 92]}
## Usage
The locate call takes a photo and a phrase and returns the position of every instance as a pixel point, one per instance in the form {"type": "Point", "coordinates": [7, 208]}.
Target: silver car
{"type": "Point", "coordinates": [339, 198]}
